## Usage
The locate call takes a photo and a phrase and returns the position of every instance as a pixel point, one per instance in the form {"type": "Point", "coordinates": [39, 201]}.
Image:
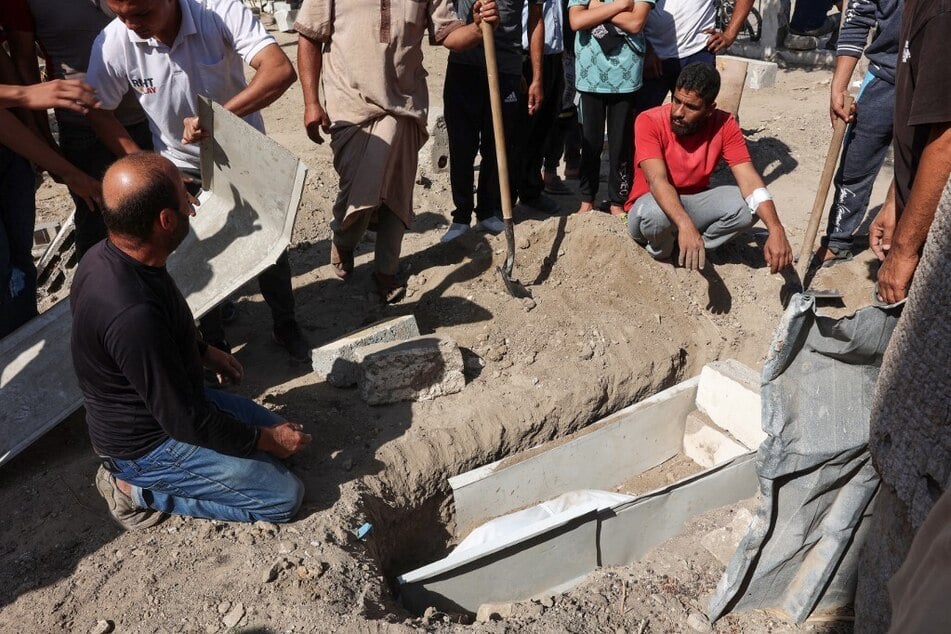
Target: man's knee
{"type": "Point", "coordinates": [285, 501]}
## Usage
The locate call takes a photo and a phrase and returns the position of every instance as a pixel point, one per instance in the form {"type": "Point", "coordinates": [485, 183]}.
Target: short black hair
{"type": "Point", "coordinates": [700, 78]}
{"type": "Point", "coordinates": [134, 214]}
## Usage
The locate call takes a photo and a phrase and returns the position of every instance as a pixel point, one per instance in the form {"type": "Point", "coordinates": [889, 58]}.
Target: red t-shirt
{"type": "Point", "coordinates": [690, 160]}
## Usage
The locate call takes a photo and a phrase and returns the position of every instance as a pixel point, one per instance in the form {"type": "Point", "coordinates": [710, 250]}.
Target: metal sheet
{"type": "Point", "coordinates": [242, 226]}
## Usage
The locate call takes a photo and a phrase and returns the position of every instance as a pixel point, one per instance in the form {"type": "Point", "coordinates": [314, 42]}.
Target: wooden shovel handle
{"type": "Point", "coordinates": [498, 128]}
{"type": "Point", "coordinates": [832, 158]}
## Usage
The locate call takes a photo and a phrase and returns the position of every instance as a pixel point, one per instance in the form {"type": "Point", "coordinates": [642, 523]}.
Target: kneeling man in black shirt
{"type": "Point", "coordinates": [167, 443]}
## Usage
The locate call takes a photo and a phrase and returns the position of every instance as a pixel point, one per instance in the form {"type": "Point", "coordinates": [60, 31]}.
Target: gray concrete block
{"type": "Point", "coordinates": [729, 394]}
{"type": "Point", "coordinates": [418, 369]}
{"type": "Point", "coordinates": [706, 445]}
{"type": "Point", "coordinates": [284, 20]}
{"type": "Point", "coordinates": [336, 361]}
{"type": "Point", "coordinates": [759, 74]}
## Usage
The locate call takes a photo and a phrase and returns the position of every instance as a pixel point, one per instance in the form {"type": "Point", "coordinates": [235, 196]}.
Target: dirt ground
{"type": "Point", "coordinates": [606, 327]}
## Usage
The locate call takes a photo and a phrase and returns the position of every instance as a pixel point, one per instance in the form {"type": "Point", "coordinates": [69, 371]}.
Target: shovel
{"type": "Point", "coordinates": [815, 217]}
{"type": "Point", "coordinates": [512, 285]}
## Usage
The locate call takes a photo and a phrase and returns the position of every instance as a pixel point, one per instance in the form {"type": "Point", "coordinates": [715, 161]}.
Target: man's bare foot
{"type": "Point", "coordinates": [617, 210]}
{"type": "Point", "coordinates": [585, 208]}
{"type": "Point", "coordinates": [827, 256]}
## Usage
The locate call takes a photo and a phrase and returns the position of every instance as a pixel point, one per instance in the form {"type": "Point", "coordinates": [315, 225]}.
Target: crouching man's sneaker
{"type": "Point", "coordinates": [492, 224]}
{"type": "Point", "coordinates": [455, 230]}
{"type": "Point", "coordinates": [122, 507]}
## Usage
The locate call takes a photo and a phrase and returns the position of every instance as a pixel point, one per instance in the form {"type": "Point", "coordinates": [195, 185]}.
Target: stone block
{"type": "Point", "coordinates": [418, 369]}
{"type": "Point", "coordinates": [494, 612]}
{"type": "Point", "coordinates": [337, 362]}
{"type": "Point", "coordinates": [728, 393]}
{"type": "Point", "coordinates": [278, 5]}
{"type": "Point", "coordinates": [284, 20]}
{"type": "Point", "coordinates": [759, 74]}
{"type": "Point", "coordinates": [722, 542]}
{"type": "Point", "coordinates": [706, 445]}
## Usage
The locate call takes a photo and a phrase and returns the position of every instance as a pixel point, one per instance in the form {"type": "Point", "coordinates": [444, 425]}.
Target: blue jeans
{"type": "Point", "coordinates": [866, 144]}
{"type": "Point", "coordinates": [184, 479]}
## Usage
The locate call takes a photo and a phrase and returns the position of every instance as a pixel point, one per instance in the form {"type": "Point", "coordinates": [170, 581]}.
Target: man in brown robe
{"type": "Point", "coordinates": [367, 59]}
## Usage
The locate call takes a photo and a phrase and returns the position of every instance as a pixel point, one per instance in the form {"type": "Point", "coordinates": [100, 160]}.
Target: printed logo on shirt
{"type": "Point", "coordinates": [143, 86]}
{"type": "Point", "coordinates": [905, 54]}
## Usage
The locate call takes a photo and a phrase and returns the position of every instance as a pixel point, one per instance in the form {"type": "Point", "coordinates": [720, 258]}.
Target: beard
{"type": "Point", "coordinates": [682, 128]}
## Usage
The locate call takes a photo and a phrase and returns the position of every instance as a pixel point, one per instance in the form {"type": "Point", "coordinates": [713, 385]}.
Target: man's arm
{"type": "Point", "coordinates": [776, 251]}
{"type": "Point", "coordinates": [22, 45]}
{"type": "Point", "coordinates": [536, 49]}
{"type": "Point", "coordinates": [717, 41]}
{"type": "Point", "coordinates": [24, 142]}
{"type": "Point", "coordinates": [112, 133]}
{"type": "Point", "coordinates": [633, 20]}
{"type": "Point", "coordinates": [689, 240]}
{"type": "Point", "coordinates": [310, 63]}
{"type": "Point", "coordinates": [883, 227]}
{"type": "Point", "coordinates": [894, 277]}
{"type": "Point", "coordinates": [273, 75]}
{"type": "Point", "coordinates": [582, 18]}
{"type": "Point", "coordinates": [70, 94]}
{"type": "Point", "coordinates": [470, 35]}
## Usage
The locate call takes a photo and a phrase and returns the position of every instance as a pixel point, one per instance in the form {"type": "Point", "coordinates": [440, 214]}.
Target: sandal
{"type": "Point", "coordinates": [389, 287]}
{"type": "Point", "coordinates": [341, 261]}
{"type": "Point", "coordinates": [838, 255]}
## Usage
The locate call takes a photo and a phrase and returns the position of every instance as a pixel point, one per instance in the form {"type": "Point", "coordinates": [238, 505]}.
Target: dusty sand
{"type": "Point", "coordinates": [607, 327]}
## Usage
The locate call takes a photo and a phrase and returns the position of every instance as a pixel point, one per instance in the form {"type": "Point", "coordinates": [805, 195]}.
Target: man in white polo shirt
{"type": "Point", "coordinates": [170, 52]}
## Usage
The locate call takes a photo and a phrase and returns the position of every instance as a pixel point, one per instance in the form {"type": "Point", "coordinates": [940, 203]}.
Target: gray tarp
{"type": "Point", "coordinates": [816, 478]}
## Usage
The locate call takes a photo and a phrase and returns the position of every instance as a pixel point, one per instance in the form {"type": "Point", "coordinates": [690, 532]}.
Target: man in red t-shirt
{"type": "Point", "coordinates": [678, 146]}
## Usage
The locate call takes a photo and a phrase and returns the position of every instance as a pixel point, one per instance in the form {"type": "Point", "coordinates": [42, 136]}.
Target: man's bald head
{"type": "Point", "coordinates": [135, 190]}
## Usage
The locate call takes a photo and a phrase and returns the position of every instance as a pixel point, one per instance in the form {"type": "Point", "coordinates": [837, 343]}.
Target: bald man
{"type": "Point", "coordinates": [168, 445]}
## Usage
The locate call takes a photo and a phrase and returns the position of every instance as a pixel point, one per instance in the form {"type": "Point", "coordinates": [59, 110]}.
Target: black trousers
{"type": "Point", "coordinates": [617, 111]}
{"type": "Point", "coordinates": [17, 216]}
{"type": "Point", "coordinates": [469, 130]}
{"type": "Point", "coordinates": [82, 148]}
{"type": "Point", "coordinates": [535, 129]}
{"type": "Point", "coordinates": [276, 288]}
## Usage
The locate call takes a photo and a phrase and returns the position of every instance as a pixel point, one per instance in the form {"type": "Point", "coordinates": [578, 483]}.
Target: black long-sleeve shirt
{"type": "Point", "coordinates": [882, 52]}
{"type": "Point", "coordinates": [137, 355]}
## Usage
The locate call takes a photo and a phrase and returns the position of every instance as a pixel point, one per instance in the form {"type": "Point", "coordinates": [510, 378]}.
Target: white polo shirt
{"type": "Point", "coordinates": [205, 59]}
{"type": "Point", "coordinates": [675, 28]}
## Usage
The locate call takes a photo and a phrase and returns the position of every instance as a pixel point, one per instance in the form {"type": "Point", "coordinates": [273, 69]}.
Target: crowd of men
{"type": "Point", "coordinates": [124, 78]}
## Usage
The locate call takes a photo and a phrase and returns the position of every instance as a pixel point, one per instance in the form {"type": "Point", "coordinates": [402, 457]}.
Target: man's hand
{"type": "Point", "coordinates": [84, 186]}
{"type": "Point", "coordinates": [193, 132]}
{"type": "Point", "coordinates": [719, 40]}
{"type": "Point", "coordinates": [283, 440]}
{"type": "Point", "coordinates": [485, 10]}
{"type": "Point", "coordinates": [692, 252]}
{"type": "Point", "coordinates": [894, 277]}
{"type": "Point", "coordinates": [535, 96]}
{"type": "Point", "coordinates": [315, 120]}
{"type": "Point", "coordinates": [882, 228]}
{"type": "Point", "coordinates": [837, 105]}
{"type": "Point", "coordinates": [227, 368]}
{"type": "Point", "coordinates": [776, 251]}
{"type": "Point", "coordinates": [70, 94]}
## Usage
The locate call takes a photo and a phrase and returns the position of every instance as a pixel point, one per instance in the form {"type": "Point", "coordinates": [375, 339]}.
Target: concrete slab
{"type": "Point", "coordinates": [284, 20]}
{"type": "Point", "coordinates": [244, 224]}
{"type": "Point", "coordinates": [418, 369]}
{"type": "Point", "coordinates": [707, 445]}
{"type": "Point", "coordinates": [336, 361]}
{"type": "Point", "coordinates": [728, 393]}
{"type": "Point", "coordinates": [601, 456]}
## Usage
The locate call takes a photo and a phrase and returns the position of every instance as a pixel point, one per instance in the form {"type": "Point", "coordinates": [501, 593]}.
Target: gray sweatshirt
{"type": "Point", "coordinates": [864, 15]}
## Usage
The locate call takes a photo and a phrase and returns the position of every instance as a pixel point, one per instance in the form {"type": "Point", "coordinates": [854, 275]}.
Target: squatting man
{"type": "Point", "coordinates": [678, 147]}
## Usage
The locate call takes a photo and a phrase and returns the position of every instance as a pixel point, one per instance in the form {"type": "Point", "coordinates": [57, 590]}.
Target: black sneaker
{"type": "Point", "coordinates": [292, 339]}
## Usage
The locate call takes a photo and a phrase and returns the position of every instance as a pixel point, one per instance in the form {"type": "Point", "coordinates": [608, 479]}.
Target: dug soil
{"type": "Point", "coordinates": [606, 326]}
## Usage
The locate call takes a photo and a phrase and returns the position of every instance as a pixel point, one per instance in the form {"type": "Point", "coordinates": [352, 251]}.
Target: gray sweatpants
{"type": "Point", "coordinates": [719, 214]}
